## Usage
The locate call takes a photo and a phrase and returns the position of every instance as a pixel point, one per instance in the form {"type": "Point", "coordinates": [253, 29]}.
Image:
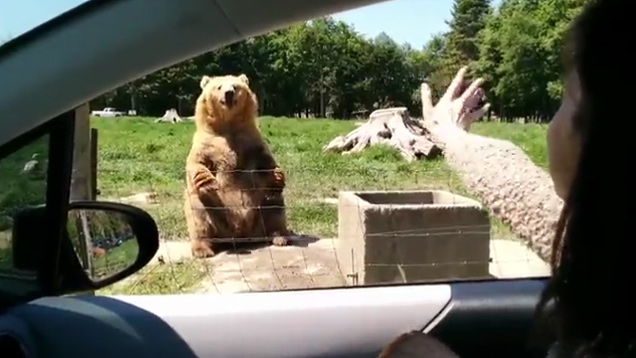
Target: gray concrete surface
{"type": "Point", "coordinates": [314, 264]}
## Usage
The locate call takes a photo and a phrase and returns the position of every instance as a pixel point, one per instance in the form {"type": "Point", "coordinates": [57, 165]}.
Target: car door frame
{"type": "Point", "coordinates": [60, 130]}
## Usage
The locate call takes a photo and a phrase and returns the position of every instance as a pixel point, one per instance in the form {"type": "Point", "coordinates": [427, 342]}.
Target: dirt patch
{"type": "Point", "coordinates": [332, 201]}
{"type": "Point", "coordinates": [138, 199]}
{"type": "Point", "coordinates": [172, 251]}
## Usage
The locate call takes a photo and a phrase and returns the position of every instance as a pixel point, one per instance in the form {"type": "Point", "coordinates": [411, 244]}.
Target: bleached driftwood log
{"type": "Point", "coordinates": [393, 127]}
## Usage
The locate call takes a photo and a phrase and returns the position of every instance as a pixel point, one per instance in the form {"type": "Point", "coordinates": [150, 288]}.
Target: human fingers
{"type": "Point", "coordinates": [473, 116]}
{"type": "Point", "coordinates": [473, 101]}
{"type": "Point", "coordinates": [427, 101]}
{"type": "Point", "coordinates": [473, 93]}
{"type": "Point", "coordinates": [456, 84]}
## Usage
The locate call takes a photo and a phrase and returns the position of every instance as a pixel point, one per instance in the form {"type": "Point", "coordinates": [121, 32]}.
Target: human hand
{"type": "Point", "coordinates": [416, 344]}
{"type": "Point", "coordinates": [458, 107]}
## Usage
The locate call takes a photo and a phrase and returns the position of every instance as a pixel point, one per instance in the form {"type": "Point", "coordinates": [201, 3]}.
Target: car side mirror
{"type": "Point", "coordinates": [111, 240]}
{"type": "Point", "coordinates": [103, 243]}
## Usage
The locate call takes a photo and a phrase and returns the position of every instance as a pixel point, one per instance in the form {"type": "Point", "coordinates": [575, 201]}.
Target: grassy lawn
{"type": "Point", "coordinates": [137, 155]}
{"type": "Point", "coordinates": [116, 259]}
{"type": "Point", "coordinates": [529, 137]}
{"type": "Point", "coordinates": [179, 277]}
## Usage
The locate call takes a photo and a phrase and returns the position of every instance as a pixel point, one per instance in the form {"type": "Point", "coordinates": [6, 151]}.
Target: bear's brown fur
{"type": "Point", "coordinates": [234, 187]}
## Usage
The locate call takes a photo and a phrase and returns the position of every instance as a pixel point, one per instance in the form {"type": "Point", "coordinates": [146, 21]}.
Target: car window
{"type": "Point", "coordinates": [387, 212]}
{"type": "Point", "coordinates": [22, 185]}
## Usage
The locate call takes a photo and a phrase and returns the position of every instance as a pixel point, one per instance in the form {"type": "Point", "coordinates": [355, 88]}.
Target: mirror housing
{"type": "Point", "coordinates": [102, 229]}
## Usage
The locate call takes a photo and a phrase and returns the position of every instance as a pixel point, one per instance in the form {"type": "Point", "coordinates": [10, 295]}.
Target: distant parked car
{"type": "Point", "coordinates": [107, 112]}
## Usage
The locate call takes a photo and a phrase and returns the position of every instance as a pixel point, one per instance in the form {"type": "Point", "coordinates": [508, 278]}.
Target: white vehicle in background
{"type": "Point", "coordinates": [107, 112]}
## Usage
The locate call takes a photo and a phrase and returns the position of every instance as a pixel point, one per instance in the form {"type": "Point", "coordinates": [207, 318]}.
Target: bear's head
{"type": "Point", "coordinates": [226, 101]}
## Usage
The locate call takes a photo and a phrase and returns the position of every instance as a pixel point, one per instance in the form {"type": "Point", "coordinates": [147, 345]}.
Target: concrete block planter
{"type": "Point", "coordinates": [411, 236]}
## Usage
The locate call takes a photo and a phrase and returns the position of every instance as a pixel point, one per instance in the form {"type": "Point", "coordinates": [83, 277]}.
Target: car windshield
{"type": "Point", "coordinates": [342, 184]}
{"type": "Point", "coordinates": [20, 16]}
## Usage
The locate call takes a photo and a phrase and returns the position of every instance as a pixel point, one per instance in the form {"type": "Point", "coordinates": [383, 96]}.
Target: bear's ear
{"type": "Point", "coordinates": [204, 81]}
{"type": "Point", "coordinates": [244, 79]}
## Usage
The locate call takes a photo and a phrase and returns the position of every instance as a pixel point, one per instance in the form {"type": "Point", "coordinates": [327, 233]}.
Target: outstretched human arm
{"type": "Point", "coordinates": [509, 183]}
{"type": "Point", "coordinates": [504, 178]}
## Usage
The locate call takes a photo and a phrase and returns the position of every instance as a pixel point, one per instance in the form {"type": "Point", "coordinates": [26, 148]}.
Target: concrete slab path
{"type": "Point", "coordinates": [312, 264]}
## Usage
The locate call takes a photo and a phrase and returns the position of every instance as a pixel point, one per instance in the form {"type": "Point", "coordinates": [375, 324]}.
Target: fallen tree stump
{"type": "Point", "coordinates": [171, 116]}
{"type": "Point", "coordinates": [392, 127]}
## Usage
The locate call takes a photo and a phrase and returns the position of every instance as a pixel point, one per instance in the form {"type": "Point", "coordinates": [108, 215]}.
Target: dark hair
{"type": "Point", "coordinates": [594, 251]}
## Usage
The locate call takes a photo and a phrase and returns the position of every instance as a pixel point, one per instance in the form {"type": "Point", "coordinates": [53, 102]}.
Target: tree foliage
{"type": "Point", "coordinates": [324, 68]}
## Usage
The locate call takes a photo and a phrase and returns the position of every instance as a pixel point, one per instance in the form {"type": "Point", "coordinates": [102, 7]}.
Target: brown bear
{"type": "Point", "coordinates": [98, 252]}
{"type": "Point", "coordinates": [234, 187]}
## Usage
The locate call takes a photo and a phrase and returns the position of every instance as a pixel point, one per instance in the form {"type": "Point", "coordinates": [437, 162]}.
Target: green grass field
{"type": "Point", "coordinates": [116, 259]}
{"type": "Point", "coordinates": [137, 155]}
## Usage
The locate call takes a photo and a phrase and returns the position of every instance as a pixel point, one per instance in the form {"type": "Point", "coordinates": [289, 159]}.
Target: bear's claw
{"type": "Point", "coordinates": [279, 177]}
{"type": "Point", "coordinates": [201, 250]}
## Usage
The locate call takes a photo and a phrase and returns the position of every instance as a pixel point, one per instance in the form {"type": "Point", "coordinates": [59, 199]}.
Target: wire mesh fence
{"type": "Point", "coordinates": [421, 226]}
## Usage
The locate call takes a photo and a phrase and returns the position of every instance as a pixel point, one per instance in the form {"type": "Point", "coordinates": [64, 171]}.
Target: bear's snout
{"type": "Point", "coordinates": [229, 97]}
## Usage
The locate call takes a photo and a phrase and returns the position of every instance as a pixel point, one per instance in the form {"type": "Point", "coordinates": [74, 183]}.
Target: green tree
{"type": "Point", "coordinates": [325, 68]}
{"type": "Point", "coordinates": [461, 43]}
{"type": "Point", "coordinates": [433, 64]}
{"type": "Point", "coordinates": [519, 56]}
{"type": "Point", "coordinates": [468, 19]}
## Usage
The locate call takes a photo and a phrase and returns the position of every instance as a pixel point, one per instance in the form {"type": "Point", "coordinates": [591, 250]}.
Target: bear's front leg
{"type": "Point", "coordinates": [201, 249]}
{"type": "Point", "coordinates": [202, 217]}
{"type": "Point", "coordinates": [273, 211]}
{"type": "Point", "coordinates": [203, 180]}
{"type": "Point", "coordinates": [200, 226]}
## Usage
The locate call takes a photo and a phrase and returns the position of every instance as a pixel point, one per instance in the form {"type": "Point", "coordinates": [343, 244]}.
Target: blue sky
{"type": "Point", "coordinates": [412, 21]}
